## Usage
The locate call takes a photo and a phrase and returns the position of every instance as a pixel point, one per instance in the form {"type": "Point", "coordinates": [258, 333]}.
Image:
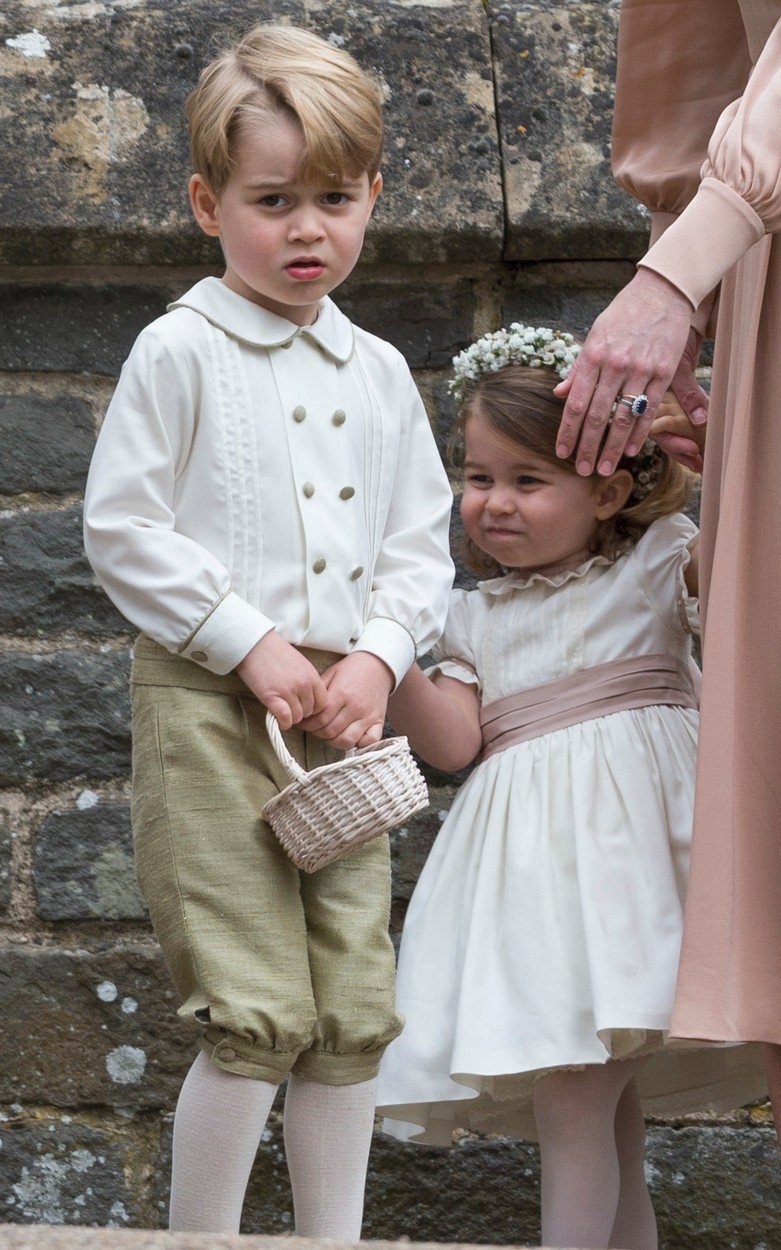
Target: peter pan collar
{"type": "Point", "coordinates": [250, 323]}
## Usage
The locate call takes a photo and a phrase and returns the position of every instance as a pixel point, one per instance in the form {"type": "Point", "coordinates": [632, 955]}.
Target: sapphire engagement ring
{"type": "Point", "coordinates": [637, 404]}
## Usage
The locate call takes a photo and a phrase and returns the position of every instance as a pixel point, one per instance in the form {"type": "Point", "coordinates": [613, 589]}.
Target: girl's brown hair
{"type": "Point", "coordinates": [518, 403]}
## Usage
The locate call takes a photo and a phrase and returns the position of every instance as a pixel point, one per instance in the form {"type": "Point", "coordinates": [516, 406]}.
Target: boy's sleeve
{"type": "Point", "coordinates": [168, 585]}
{"type": "Point", "coordinates": [413, 572]}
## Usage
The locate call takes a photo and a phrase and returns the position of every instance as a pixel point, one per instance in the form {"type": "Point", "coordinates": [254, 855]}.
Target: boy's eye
{"type": "Point", "coordinates": [336, 198]}
{"type": "Point", "coordinates": [272, 201]}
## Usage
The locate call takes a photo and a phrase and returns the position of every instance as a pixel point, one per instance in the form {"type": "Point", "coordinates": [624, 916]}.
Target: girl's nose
{"type": "Point", "coordinates": [500, 501]}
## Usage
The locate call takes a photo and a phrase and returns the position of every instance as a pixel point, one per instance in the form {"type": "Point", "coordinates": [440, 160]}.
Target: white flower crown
{"type": "Point", "coordinates": [517, 345]}
{"type": "Point", "coordinates": [539, 348]}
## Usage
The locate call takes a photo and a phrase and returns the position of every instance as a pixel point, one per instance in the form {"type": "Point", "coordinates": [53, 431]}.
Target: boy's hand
{"type": "Point", "coordinates": [358, 689]}
{"type": "Point", "coordinates": [283, 680]}
{"type": "Point", "coordinates": [676, 435]}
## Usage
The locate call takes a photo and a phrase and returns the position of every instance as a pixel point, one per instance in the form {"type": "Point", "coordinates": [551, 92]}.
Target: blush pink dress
{"type": "Point", "coordinates": [697, 139]}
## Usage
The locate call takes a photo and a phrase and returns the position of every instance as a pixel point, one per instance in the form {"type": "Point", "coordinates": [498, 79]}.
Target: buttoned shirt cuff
{"type": "Point", "coordinates": [389, 640]}
{"type": "Point", "coordinates": [711, 235]}
{"type": "Point", "coordinates": [226, 635]}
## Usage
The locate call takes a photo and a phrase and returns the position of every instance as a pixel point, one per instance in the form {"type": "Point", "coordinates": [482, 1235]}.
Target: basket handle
{"type": "Point", "coordinates": [285, 758]}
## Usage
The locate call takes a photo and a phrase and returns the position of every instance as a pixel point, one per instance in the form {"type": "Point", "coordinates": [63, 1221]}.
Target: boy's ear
{"type": "Point", "coordinates": [612, 493]}
{"type": "Point", "coordinates": [205, 206]}
{"type": "Point", "coordinates": [375, 187]}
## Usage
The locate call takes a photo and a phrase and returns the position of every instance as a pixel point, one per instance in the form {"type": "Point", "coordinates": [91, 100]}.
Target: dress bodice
{"type": "Point", "coordinates": [514, 633]}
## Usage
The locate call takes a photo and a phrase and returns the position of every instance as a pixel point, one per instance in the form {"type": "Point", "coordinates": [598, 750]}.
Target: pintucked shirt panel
{"type": "Point", "coordinates": [252, 474]}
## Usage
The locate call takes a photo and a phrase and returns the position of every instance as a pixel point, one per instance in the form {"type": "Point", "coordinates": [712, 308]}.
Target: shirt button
{"type": "Point", "coordinates": [227, 1054]}
{"type": "Point", "coordinates": [198, 655]}
{"type": "Point", "coordinates": [347, 492]}
{"type": "Point", "coordinates": [356, 573]}
{"type": "Point", "coordinates": [319, 565]}
{"type": "Point", "coordinates": [308, 489]}
{"type": "Point", "coordinates": [299, 412]}
{"type": "Point", "coordinates": [339, 417]}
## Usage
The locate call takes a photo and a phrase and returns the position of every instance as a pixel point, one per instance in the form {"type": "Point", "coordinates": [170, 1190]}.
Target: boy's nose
{"type": "Point", "coordinates": [306, 227]}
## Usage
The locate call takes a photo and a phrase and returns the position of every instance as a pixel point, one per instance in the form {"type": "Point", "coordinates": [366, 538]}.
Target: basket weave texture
{"type": "Point", "coordinates": [334, 809]}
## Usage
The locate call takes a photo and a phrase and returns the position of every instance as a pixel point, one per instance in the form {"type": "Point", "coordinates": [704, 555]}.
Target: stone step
{"type": "Point", "coordinates": [44, 1237]}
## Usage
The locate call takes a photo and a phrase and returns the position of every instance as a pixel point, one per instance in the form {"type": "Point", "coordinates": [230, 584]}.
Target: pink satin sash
{"type": "Point", "coordinates": [640, 681]}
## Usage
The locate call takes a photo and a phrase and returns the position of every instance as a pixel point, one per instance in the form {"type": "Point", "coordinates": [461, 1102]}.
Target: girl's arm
{"type": "Point", "coordinates": [691, 574]}
{"type": "Point", "coordinates": [441, 718]}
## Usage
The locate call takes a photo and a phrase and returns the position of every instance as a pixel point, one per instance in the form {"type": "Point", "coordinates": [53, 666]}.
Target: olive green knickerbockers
{"type": "Point", "coordinates": [287, 971]}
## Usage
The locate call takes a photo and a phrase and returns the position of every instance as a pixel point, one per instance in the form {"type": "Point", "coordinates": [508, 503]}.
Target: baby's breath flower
{"type": "Point", "coordinates": [519, 344]}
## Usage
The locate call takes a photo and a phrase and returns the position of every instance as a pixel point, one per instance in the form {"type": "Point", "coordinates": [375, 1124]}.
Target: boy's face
{"type": "Point", "coordinates": [287, 243]}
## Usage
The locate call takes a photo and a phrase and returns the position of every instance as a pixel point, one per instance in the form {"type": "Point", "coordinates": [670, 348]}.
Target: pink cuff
{"type": "Point", "coordinates": [711, 235]}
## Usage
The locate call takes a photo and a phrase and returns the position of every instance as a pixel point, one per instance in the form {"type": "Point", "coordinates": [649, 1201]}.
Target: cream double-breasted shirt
{"type": "Point", "coordinates": [253, 474]}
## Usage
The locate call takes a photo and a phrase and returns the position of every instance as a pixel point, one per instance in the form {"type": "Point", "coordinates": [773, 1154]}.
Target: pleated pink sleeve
{"type": "Point", "coordinates": [738, 199]}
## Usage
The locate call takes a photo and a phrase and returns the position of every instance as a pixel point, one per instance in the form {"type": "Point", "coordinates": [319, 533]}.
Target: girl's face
{"type": "Point", "coordinates": [525, 511]}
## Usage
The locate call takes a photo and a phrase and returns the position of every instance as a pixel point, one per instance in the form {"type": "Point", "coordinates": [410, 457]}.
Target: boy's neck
{"type": "Point", "coordinates": [299, 314]}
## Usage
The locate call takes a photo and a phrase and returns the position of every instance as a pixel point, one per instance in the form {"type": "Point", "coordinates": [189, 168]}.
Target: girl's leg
{"type": "Point", "coordinates": [635, 1223]}
{"type": "Point", "coordinates": [328, 1131]}
{"type": "Point", "coordinates": [772, 1056]}
{"type": "Point", "coordinates": [581, 1176]}
{"type": "Point", "coordinates": [218, 1124]}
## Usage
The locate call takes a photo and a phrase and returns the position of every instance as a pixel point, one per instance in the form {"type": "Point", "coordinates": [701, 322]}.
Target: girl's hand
{"type": "Point", "coordinates": [354, 714]}
{"type": "Point", "coordinates": [633, 348]}
{"type": "Point", "coordinates": [676, 435]}
{"type": "Point", "coordinates": [283, 679]}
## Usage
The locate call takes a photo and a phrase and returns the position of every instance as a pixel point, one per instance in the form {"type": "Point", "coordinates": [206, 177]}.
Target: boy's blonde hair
{"type": "Point", "coordinates": [281, 69]}
{"type": "Point", "coordinates": [518, 402]}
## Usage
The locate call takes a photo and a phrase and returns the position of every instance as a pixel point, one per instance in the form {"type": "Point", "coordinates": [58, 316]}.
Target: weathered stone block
{"type": "Point", "coordinates": [48, 585]}
{"type": "Point", "coordinates": [55, 1171]}
{"type": "Point", "coordinates": [52, 441]}
{"type": "Point", "coordinates": [74, 329]}
{"type": "Point", "coordinates": [555, 73]}
{"type": "Point", "coordinates": [562, 296]}
{"type": "Point", "coordinates": [83, 867]}
{"type": "Point", "coordinates": [5, 861]}
{"type": "Point", "coordinates": [102, 106]}
{"type": "Point", "coordinates": [91, 1027]}
{"type": "Point", "coordinates": [427, 323]}
{"type": "Point", "coordinates": [64, 716]}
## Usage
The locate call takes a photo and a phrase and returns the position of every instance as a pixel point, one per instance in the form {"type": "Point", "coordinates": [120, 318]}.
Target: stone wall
{"type": "Point", "coordinates": [499, 205]}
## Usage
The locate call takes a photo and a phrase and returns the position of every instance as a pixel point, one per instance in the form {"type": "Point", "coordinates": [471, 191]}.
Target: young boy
{"type": "Point", "coordinates": [266, 503]}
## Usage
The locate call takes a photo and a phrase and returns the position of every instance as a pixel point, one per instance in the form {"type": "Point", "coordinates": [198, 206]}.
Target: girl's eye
{"type": "Point", "coordinates": [528, 480]}
{"type": "Point", "coordinates": [478, 479]}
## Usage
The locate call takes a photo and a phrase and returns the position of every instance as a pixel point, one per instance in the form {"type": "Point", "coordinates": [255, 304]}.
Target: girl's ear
{"type": "Point", "coordinates": [611, 493]}
{"type": "Point", "coordinates": [206, 209]}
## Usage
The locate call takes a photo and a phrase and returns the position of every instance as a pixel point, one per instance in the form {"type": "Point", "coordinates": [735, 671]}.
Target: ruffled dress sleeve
{"type": "Point", "coordinates": [662, 557]}
{"type": "Point", "coordinates": [681, 63]}
{"type": "Point", "coordinates": [455, 654]}
{"type": "Point", "coordinates": [739, 198]}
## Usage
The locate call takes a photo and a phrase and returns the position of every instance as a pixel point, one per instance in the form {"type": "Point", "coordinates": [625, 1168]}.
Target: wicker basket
{"type": "Point", "coordinates": [334, 809]}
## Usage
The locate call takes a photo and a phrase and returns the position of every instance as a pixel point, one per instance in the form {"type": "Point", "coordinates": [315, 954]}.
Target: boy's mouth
{"type": "Point", "coordinates": [305, 268]}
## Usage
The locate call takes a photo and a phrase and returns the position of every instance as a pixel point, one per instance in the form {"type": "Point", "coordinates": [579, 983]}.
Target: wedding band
{"type": "Point", "coordinates": [637, 404]}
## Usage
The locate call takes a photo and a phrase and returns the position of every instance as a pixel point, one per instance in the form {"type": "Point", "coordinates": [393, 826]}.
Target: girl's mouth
{"type": "Point", "coordinates": [305, 268]}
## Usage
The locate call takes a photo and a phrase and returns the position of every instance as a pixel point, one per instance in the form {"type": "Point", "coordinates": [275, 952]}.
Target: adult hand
{"type": "Point", "coordinates": [358, 690]}
{"type": "Point", "coordinates": [633, 348]}
{"type": "Point", "coordinates": [673, 431]}
{"type": "Point", "coordinates": [685, 387]}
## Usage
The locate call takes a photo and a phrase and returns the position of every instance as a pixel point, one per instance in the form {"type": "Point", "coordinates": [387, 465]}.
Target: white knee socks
{"type": "Point", "coordinates": [328, 1131]}
{"type": "Point", "coordinates": [218, 1123]}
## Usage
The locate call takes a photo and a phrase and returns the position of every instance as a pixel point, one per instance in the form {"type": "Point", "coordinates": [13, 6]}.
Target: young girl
{"type": "Point", "coordinates": [539, 955]}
